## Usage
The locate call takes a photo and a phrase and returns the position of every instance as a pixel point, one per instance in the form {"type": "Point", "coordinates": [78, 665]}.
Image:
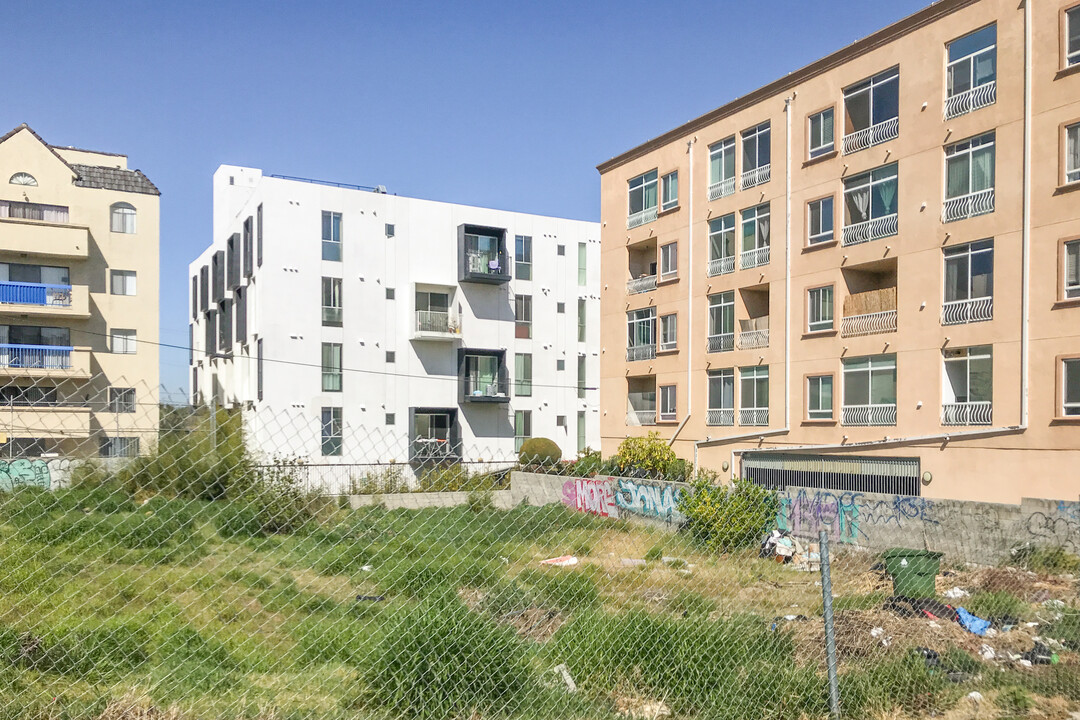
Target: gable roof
{"type": "Point", "coordinates": [106, 178]}
{"type": "Point", "coordinates": [29, 129]}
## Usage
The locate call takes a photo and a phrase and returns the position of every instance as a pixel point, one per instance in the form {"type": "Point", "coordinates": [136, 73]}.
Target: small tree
{"type": "Point", "coordinates": [648, 454]}
{"type": "Point", "coordinates": [729, 517]}
{"type": "Point", "coordinates": [539, 451]}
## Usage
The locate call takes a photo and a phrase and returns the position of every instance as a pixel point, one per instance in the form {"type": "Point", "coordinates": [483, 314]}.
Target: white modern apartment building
{"type": "Point", "coordinates": [356, 326]}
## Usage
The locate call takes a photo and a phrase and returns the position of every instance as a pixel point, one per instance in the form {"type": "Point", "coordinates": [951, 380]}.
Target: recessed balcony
{"type": "Point", "coordinates": [436, 325]}
{"type": "Point", "coordinates": [484, 377]}
{"type": "Point", "coordinates": [55, 421]}
{"type": "Point", "coordinates": [42, 300]}
{"type": "Point", "coordinates": [42, 238]}
{"type": "Point", "coordinates": [44, 361]}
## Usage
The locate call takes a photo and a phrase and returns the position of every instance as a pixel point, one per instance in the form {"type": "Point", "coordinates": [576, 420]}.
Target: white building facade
{"type": "Point", "coordinates": [357, 327]}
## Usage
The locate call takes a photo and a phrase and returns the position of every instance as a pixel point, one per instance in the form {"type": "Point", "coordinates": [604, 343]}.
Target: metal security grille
{"type": "Point", "coordinates": [895, 476]}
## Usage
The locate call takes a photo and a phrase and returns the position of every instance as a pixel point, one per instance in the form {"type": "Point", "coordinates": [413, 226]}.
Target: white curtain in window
{"type": "Point", "coordinates": [887, 195]}
{"type": "Point", "coordinates": [958, 177]}
{"type": "Point", "coordinates": [860, 202]}
{"type": "Point", "coordinates": [763, 232]}
{"type": "Point", "coordinates": [982, 169]}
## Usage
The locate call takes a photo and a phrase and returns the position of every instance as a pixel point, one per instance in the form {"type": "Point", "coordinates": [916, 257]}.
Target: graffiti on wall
{"type": "Point", "coordinates": [650, 499]}
{"type": "Point", "coordinates": [1060, 529]}
{"type": "Point", "coordinates": [591, 496]}
{"type": "Point", "coordinates": [849, 517]}
{"type": "Point", "coordinates": [23, 472]}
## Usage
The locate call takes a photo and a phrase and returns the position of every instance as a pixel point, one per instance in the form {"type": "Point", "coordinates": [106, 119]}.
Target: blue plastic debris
{"type": "Point", "coordinates": [972, 623]}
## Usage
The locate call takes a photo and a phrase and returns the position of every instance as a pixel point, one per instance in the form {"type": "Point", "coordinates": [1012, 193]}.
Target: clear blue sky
{"type": "Point", "coordinates": [504, 104]}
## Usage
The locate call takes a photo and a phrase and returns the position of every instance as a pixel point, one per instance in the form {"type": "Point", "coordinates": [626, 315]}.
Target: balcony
{"type": "Point", "coordinates": [971, 100]}
{"type": "Point", "coordinates": [870, 230]}
{"type": "Point", "coordinates": [434, 449]}
{"type": "Point", "coordinates": [874, 323]}
{"type": "Point", "coordinates": [967, 206]}
{"type": "Point", "coordinates": [720, 343]}
{"type": "Point", "coordinates": [42, 300]}
{"type": "Point", "coordinates": [722, 189]}
{"type": "Point", "coordinates": [43, 238]}
{"type": "Point", "coordinates": [750, 339]}
{"type": "Point", "coordinates": [640, 417]}
{"type": "Point", "coordinates": [874, 135]}
{"type": "Point", "coordinates": [754, 416]}
{"type": "Point", "coordinates": [484, 377]}
{"type": "Point", "coordinates": [640, 218]}
{"type": "Point", "coordinates": [643, 284]}
{"type": "Point", "coordinates": [868, 415]}
{"type": "Point", "coordinates": [870, 312]}
{"type": "Point", "coordinates": [967, 413]}
{"type": "Point", "coordinates": [482, 255]}
{"type": "Point", "coordinates": [640, 352]}
{"type": "Point", "coordinates": [756, 176]}
{"type": "Point", "coordinates": [724, 417]}
{"type": "Point", "coordinates": [754, 258]}
{"type": "Point", "coordinates": [961, 312]}
{"type": "Point", "coordinates": [44, 361]}
{"type": "Point", "coordinates": [721, 266]}
{"type": "Point", "coordinates": [435, 325]}
{"type": "Point", "coordinates": [55, 421]}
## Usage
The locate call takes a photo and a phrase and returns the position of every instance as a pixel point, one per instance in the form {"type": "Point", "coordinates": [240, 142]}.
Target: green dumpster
{"type": "Point", "coordinates": [913, 571]}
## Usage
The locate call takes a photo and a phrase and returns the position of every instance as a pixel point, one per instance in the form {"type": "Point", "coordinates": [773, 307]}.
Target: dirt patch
{"type": "Point", "coordinates": [137, 709]}
{"type": "Point", "coordinates": [535, 623]}
{"type": "Point", "coordinates": [633, 706]}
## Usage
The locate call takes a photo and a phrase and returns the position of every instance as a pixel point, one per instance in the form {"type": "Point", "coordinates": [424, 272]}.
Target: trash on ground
{"type": "Point", "coordinates": [632, 562]}
{"type": "Point", "coordinates": [956, 593]}
{"type": "Point", "coordinates": [370, 598]}
{"type": "Point", "coordinates": [565, 673]}
{"type": "Point", "coordinates": [368, 568]}
{"type": "Point", "coordinates": [972, 623]}
{"type": "Point", "coordinates": [975, 697]}
{"type": "Point", "coordinates": [987, 652]}
{"type": "Point", "coordinates": [561, 561]}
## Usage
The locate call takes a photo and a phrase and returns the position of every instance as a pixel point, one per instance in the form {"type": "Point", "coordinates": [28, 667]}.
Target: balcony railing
{"type": "Point", "coordinates": [33, 211]}
{"type": "Point", "coordinates": [331, 316]}
{"type": "Point", "coordinates": [641, 285]}
{"type": "Point", "coordinates": [870, 230]}
{"type": "Point", "coordinates": [45, 357]}
{"type": "Point", "coordinates": [873, 135]}
{"type": "Point", "coordinates": [484, 387]}
{"type": "Point", "coordinates": [426, 448]}
{"type": "Point", "coordinates": [721, 266]}
{"type": "Point", "coordinates": [967, 413]}
{"type": "Point", "coordinates": [722, 189]}
{"type": "Point", "coordinates": [640, 218]}
{"type": "Point", "coordinates": [20, 293]}
{"type": "Point", "coordinates": [433, 321]}
{"type": "Point", "coordinates": [754, 258]}
{"type": "Point", "coordinates": [971, 100]}
{"type": "Point", "coordinates": [960, 312]}
{"type": "Point", "coordinates": [482, 263]}
{"type": "Point", "coordinates": [721, 416]}
{"type": "Point", "coordinates": [750, 339]}
{"type": "Point", "coordinates": [720, 343]}
{"type": "Point", "coordinates": [754, 416]}
{"type": "Point", "coordinates": [970, 205]}
{"type": "Point", "coordinates": [331, 381]}
{"type": "Point", "coordinates": [640, 352]}
{"type": "Point", "coordinates": [640, 417]}
{"type": "Point", "coordinates": [868, 324]}
{"type": "Point", "coordinates": [866, 415]}
{"type": "Point", "coordinates": [756, 176]}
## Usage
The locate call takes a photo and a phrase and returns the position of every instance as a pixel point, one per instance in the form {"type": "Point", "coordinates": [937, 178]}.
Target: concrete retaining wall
{"type": "Point", "coordinates": [420, 500]}
{"type": "Point", "coordinates": [648, 501]}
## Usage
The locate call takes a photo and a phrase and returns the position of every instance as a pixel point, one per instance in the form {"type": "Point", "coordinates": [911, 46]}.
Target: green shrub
{"type": "Point", "coordinates": [1054, 560]}
{"type": "Point", "coordinates": [457, 478]}
{"type": "Point", "coordinates": [1015, 700]}
{"type": "Point", "coordinates": [540, 451]}
{"type": "Point", "coordinates": [729, 517]}
{"type": "Point", "coordinates": [649, 454]}
{"type": "Point", "coordinates": [654, 553]}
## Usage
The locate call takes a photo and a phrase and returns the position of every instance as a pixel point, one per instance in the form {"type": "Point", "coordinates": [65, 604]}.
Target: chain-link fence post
{"type": "Point", "coordinates": [830, 636]}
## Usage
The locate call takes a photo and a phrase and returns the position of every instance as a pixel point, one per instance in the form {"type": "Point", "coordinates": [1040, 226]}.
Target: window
{"type": "Point", "coordinates": [870, 390]}
{"type": "Point", "coordinates": [331, 431]}
{"type": "Point", "coordinates": [969, 170]}
{"type": "Point", "coordinates": [560, 308]}
{"type": "Point", "coordinates": [819, 310]}
{"type": "Point", "coordinates": [122, 218]}
{"type": "Point", "coordinates": [872, 107]}
{"type": "Point", "coordinates": [523, 374]}
{"type": "Point", "coordinates": [523, 257]}
{"type": "Point", "coordinates": [390, 419]}
{"type": "Point", "coordinates": [641, 334]}
{"type": "Point", "coordinates": [582, 273]}
{"type": "Point", "coordinates": [971, 81]}
{"type": "Point", "coordinates": [27, 396]}
{"type": "Point", "coordinates": [194, 297]}
{"type": "Point", "coordinates": [331, 367]}
{"type": "Point", "coordinates": [669, 261]}
{"type": "Point", "coordinates": [821, 133]}
{"type": "Point", "coordinates": [755, 237]}
{"type": "Point", "coordinates": [819, 397]}
{"type": "Point", "coordinates": [560, 365]}
{"type": "Point", "coordinates": [722, 321]}
{"type": "Point", "coordinates": [668, 331]}
{"type": "Point", "coordinates": [756, 155]}
{"type": "Point", "coordinates": [1072, 37]}
{"type": "Point", "coordinates": [642, 199]}
{"type": "Point", "coordinates": [121, 400]}
{"type": "Point", "coordinates": [754, 395]}
{"type": "Point", "coordinates": [581, 320]}
{"type": "Point", "coordinates": [722, 168]}
{"type": "Point", "coordinates": [123, 341]}
{"type": "Point", "coordinates": [331, 302]}
{"type": "Point", "coordinates": [722, 245]}
{"type": "Point", "coordinates": [391, 356]}
{"type": "Point", "coordinates": [560, 421]}
{"type": "Point", "coordinates": [259, 235]}
{"type": "Point", "coordinates": [581, 376]}
{"type": "Point", "coordinates": [122, 282]}
{"type": "Point", "coordinates": [35, 335]}
{"type": "Point", "coordinates": [1072, 269]}
{"type": "Point", "coordinates": [560, 250]}
{"type": "Point", "coordinates": [870, 205]}
{"type": "Point", "coordinates": [1072, 153]}
{"type": "Point", "coordinates": [721, 391]}
{"type": "Point", "coordinates": [331, 236]}
{"type": "Point", "coordinates": [259, 369]}
{"type": "Point", "coordinates": [581, 432]}
{"type": "Point", "coordinates": [522, 428]}
{"type": "Point", "coordinates": [969, 283]}
{"type": "Point", "coordinates": [820, 221]}
{"type": "Point", "coordinates": [389, 229]}
{"type": "Point", "coordinates": [669, 191]}
{"type": "Point", "coordinates": [969, 375]}
{"type": "Point", "coordinates": [667, 403]}
{"type": "Point", "coordinates": [23, 178]}
{"type": "Point", "coordinates": [1070, 385]}
{"type": "Point", "coordinates": [114, 447]}
{"type": "Point", "coordinates": [523, 316]}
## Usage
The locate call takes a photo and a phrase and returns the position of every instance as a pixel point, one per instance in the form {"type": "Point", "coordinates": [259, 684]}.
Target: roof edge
{"type": "Point", "coordinates": [898, 29]}
{"type": "Point", "coordinates": [24, 126]}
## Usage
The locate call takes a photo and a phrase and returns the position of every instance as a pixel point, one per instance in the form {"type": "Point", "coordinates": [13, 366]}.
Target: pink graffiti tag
{"type": "Point", "coordinates": [591, 496]}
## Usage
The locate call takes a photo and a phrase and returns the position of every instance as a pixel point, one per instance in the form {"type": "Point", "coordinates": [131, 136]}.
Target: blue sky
{"type": "Point", "coordinates": [504, 104]}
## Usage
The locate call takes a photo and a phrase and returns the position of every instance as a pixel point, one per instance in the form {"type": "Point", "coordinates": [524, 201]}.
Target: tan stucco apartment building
{"type": "Point", "coordinates": [78, 302]}
{"type": "Point", "coordinates": [864, 276]}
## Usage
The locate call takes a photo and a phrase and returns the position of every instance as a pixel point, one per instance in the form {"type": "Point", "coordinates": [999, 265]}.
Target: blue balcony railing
{"type": "Point", "coordinates": [21, 293]}
{"type": "Point", "coordinates": [46, 357]}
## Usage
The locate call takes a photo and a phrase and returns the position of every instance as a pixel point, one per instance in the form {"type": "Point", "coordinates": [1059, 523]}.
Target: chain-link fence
{"type": "Point", "coordinates": [167, 561]}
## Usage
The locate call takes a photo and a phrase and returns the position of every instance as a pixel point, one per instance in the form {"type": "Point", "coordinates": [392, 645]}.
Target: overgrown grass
{"type": "Point", "coordinates": [996, 604]}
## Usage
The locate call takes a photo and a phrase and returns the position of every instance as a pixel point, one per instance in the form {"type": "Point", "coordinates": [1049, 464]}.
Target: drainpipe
{"type": "Point", "coordinates": [689, 298]}
{"type": "Point", "coordinates": [1025, 236]}
{"type": "Point", "coordinates": [787, 270]}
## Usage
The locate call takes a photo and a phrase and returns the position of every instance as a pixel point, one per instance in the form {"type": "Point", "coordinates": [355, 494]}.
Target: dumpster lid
{"type": "Point", "coordinates": [907, 552]}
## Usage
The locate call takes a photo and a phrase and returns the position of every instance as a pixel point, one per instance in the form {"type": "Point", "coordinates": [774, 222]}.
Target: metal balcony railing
{"type": "Point", "coordinates": [429, 448]}
{"type": "Point", "coordinates": [331, 316]}
{"type": "Point", "coordinates": [866, 415]}
{"type": "Point", "coordinates": [721, 266]}
{"type": "Point", "coordinates": [870, 230]}
{"type": "Point", "coordinates": [641, 285]}
{"type": "Point", "coordinates": [640, 218]}
{"type": "Point", "coordinates": [45, 357]}
{"type": "Point", "coordinates": [967, 413]}
{"type": "Point", "coordinates": [754, 416]}
{"type": "Point", "coordinates": [20, 293]}
{"type": "Point", "coordinates": [433, 321]}
{"type": "Point", "coordinates": [971, 100]}
{"type": "Point", "coordinates": [722, 189]}
{"type": "Point", "coordinates": [750, 339]}
{"type": "Point", "coordinates": [756, 176]}
{"type": "Point", "coordinates": [754, 258]}
{"type": "Point", "coordinates": [868, 324]}
{"type": "Point", "coordinates": [720, 343]}
{"type": "Point", "coordinates": [960, 312]}
{"type": "Point", "coordinates": [485, 387]}
{"type": "Point", "coordinates": [720, 416]}
{"type": "Point", "coordinates": [641, 417]}
{"type": "Point", "coordinates": [640, 352]}
{"type": "Point", "coordinates": [331, 381]}
{"type": "Point", "coordinates": [970, 205]}
{"type": "Point", "coordinates": [483, 263]}
{"type": "Point", "coordinates": [873, 135]}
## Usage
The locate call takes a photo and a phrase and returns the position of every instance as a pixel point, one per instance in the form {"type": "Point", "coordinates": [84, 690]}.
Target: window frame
{"type": "Point", "coordinates": [670, 253]}
{"type": "Point", "coordinates": [522, 428]}
{"type": "Point", "coordinates": [951, 153]}
{"type": "Point", "coordinates": [523, 257]}
{"type": "Point", "coordinates": [756, 221]}
{"type": "Point", "coordinates": [825, 150]}
{"type": "Point", "coordinates": [128, 218]}
{"type": "Point", "coordinates": [871, 180]}
{"type": "Point", "coordinates": [523, 374]}
{"type": "Point", "coordinates": [1064, 179]}
{"type": "Point", "coordinates": [668, 181]}
{"type": "Point", "coordinates": [724, 299]}
{"type": "Point", "coordinates": [756, 135]}
{"type": "Point", "coordinates": [129, 340]}
{"type": "Point", "coordinates": [583, 264]}
{"type": "Point", "coordinates": [870, 85]}
{"type": "Point", "coordinates": [642, 182]}
{"type": "Point", "coordinates": [720, 151]}
{"type": "Point", "coordinates": [523, 316]}
{"type": "Point", "coordinates": [668, 325]}
{"type": "Point", "coordinates": [985, 352]}
{"type": "Point", "coordinates": [582, 372]}
{"type": "Point", "coordinates": [719, 232]}
{"type": "Point", "coordinates": [642, 317]}
{"type": "Point", "coordinates": [582, 319]}
{"type": "Point", "coordinates": [720, 375]}
{"type": "Point", "coordinates": [666, 394]}
{"type": "Point", "coordinates": [808, 410]}
{"type": "Point", "coordinates": [331, 418]}
{"type": "Point", "coordinates": [970, 59]}
{"type": "Point", "coordinates": [328, 367]}
{"type": "Point", "coordinates": [1068, 14]}
{"type": "Point", "coordinates": [881, 366]}
{"type": "Point", "coordinates": [121, 400]}
{"type": "Point", "coordinates": [1062, 407]}
{"type": "Point", "coordinates": [1064, 288]}
{"type": "Point", "coordinates": [332, 287]}
{"type": "Point", "coordinates": [810, 307]}
{"type": "Point", "coordinates": [966, 250]}
{"type": "Point", "coordinates": [334, 241]}
{"type": "Point", "coordinates": [755, 374]}
{"type": "Point", "coordinates": [126, 276]}
{"type": "Point", "coordinates": [820, 238]}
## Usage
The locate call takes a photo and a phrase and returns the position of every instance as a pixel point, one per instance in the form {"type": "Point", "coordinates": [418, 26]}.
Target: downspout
{"type": "Point", "coordinates": [689, 298]}
{"type": "Point", "coordinates": [1025, 235]}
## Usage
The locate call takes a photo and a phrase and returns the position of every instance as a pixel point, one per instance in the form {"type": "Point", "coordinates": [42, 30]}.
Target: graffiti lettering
{"type": "Point", "coordinates": [1058, 531]}
{"type": "Point", "coordinates": [650, 499]}
{"type": "Point", "coordinates": [591, 496]}
{"type": "Point", "coordinates": [24, 473]}
{"type": "Point", "coordinates": [848, 516]}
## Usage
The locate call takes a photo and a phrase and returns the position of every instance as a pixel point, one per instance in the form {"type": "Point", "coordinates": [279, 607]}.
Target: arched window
{"type": "Point", "coordinates": [22, 178]}
{"type": "Point", "coordinates": [123, 218]}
